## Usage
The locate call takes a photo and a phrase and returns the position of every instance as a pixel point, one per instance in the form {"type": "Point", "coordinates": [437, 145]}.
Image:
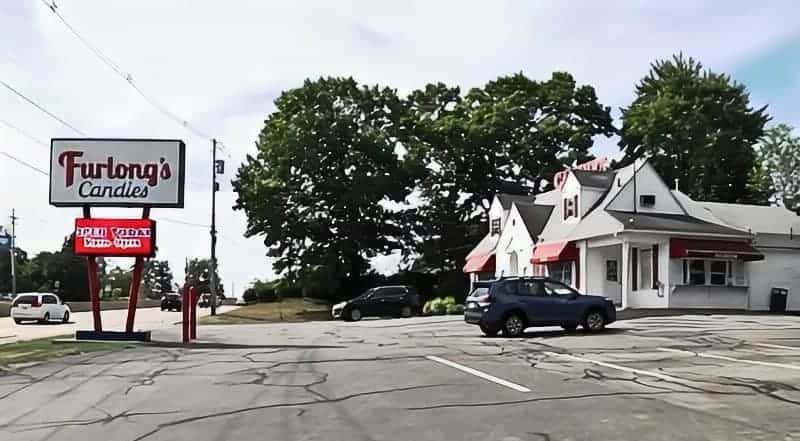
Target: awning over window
{"type": "Point", "coordinates": [717, 249]}
{"type": "Point", "coordinates": [480, 264]}
{"type": "Point", "coordinates": [554, 252]}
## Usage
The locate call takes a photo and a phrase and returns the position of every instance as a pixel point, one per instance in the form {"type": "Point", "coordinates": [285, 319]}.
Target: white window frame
{"type": "Point", "coordinates": [735, 273]}
{"type": "Point", "coordinates": [568, 265]}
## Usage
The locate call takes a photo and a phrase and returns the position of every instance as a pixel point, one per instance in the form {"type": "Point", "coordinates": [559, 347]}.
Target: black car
{"type": "Point", "coordinates": [513, 304]}
{"type": "Point", "coordinates": [383, 301]}
{"type": "Point", "coordinates": [170, 302]}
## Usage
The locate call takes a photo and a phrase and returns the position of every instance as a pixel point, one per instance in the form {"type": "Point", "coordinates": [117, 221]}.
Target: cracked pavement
{"type": "Point", "coordinates": [710, 377]}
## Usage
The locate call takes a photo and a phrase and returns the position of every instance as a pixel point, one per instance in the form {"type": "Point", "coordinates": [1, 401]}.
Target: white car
{"type": "Point", "coordinates": [39, 306]}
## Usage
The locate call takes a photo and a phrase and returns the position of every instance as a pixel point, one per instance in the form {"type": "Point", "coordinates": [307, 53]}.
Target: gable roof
{"type": "Point", "coordinates": [671, 222]}
{"type": "Point", "coordinates": [594, 179]}
{"type": "Point", "coordinates": [485, 247]}
{"type": "Point", "coordinates": [535, 217]}
{"type": "Point", "coordinates": [552, 197]}
{"type": "Point", "coordinates": [507, 199]}
{"type": "Point", "coordinates": [756, 218]}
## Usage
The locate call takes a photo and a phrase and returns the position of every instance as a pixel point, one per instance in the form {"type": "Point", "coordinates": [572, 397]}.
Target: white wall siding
{"type": "Point", "coordinates": [727, 297]}
{"type": "Point", "coordinates": [588, 198]}
{"type": "Point", "coordinates": [596, 282]}
{"type": "Point", "coordinates": [514, 237]}
{"type": "Point", "coordinates": [780, 268]}
{"type": "Point", "coordinates": [647, 182]}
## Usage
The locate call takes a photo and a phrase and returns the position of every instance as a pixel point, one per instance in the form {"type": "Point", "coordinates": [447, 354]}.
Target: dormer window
{"type": "Point", "coordinates": [647, 200]}
{"type": "Point", "coordinates": [495, 227]}
{"type": "Point", "coordinates": [570, 207]}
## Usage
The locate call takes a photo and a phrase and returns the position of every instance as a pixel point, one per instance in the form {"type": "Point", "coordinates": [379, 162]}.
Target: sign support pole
{"type": "Point", "coordinates": [136, 282]}
{"type": "Point", "coordinates": [94, 283]}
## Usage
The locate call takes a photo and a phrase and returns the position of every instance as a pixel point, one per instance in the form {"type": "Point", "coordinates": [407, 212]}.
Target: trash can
{"type": "Point", "coordinates": [777, 299]}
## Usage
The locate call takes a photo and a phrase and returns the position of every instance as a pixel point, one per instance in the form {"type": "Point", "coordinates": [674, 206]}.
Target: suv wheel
{"type": "Point", "coordinates": [405, 312]}
{"type": "Point", "coordinates": [46, 317]}
{"type": "Point", "coordinates": [514, 325]}
{"type": "Point", "coordinates": [594, 321]}
{"type": "Point", "coordinates": [355, 315]}
{"type": "Point", "coordinates": [487, 331]}
{"type": "Point", "coordinates": [65, 319]}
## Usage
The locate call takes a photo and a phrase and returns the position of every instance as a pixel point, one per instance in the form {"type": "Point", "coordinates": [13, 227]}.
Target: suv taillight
{"type": "Point", "coordinates": [484, 299]}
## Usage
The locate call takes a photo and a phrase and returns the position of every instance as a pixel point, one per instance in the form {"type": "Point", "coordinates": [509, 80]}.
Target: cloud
{"type": "Point", "coordinates": [221, 67]}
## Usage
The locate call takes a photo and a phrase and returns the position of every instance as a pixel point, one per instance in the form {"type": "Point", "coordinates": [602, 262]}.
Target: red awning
{"type": "Point", "coordinates": [681, 248]}
{"type": "Point", "coordinates": [555, 252]}
{"type": "Point", "coordinates": [480, 264]}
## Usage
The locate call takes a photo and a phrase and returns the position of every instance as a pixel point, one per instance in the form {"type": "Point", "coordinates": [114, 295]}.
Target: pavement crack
{"type": "Point", "coordinates": [285, 405]}
{"type": "Point", "coordinates": [146, 381]}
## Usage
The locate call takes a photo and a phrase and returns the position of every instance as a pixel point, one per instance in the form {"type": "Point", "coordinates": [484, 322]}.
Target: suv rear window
{"type": "Point", "coordinates": [25, 300]}
{"type": "Point", "coordinates": [479, 292]}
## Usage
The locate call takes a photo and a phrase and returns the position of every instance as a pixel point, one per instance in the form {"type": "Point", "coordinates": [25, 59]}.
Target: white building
{"type": "Point", "coordinates": [627, 236]}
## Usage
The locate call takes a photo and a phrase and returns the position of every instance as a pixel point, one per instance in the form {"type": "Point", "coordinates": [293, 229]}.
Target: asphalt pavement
{"type": "Point", "coordinates": [146, 319]}
{"type": "Point", "coordinates": [660, 378]}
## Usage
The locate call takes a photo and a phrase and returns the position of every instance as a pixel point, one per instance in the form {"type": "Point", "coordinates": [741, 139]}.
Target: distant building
{"type": "Point", "coordinates": [626, 235]}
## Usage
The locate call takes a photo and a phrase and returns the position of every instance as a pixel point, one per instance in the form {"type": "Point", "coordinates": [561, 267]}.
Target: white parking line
{"type": "Point", "coordinates": [738, 360]}
{"type": "Point", "coordinates": [616, 366]}
{"type": "Point", "coordinates": [478, 373]}
{"type": "Point", "coordinates": [769, 345]}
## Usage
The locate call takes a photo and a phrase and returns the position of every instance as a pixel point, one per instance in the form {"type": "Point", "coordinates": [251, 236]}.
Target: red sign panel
{"type": "Point", "coordinates": [115, 237]}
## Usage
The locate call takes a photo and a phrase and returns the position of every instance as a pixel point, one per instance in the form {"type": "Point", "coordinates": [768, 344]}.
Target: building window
{"type": "Point", "coordinates": [561, 271]}
{"type": "Point", "coordinates": [575, 206]}
{"type": "Point", "coordinates": [697, 272]}
{"type": "Point", "coordinates": [570, 207]}
{"type": "Point", "coordinates": [718, 272]}
{"type": "Point", "coordinates": [713, 272]}
{"type": "Point", "coordinates": [647, 200]}
{"type": "Point", "coordinates": [612, 271]}
{"type": "Point", "coordinates": [495, 227]}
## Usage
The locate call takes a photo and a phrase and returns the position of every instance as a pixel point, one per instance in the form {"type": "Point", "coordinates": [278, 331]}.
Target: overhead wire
{"type": "Point", "coordinates": [24, 133]}
{"type": "Point", "coordinates": [128, 77]}
{"type": "Point", "coordinates": [41, 108]}
{"type": "Point", "coordinates": [24, 163]}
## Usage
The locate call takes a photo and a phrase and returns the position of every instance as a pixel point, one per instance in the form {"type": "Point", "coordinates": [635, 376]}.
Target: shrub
{"type": "Point", "coordinates": [455, 309]}
{"type": "Point", "coordinates": [450, 300]}
{"type": "Point", "coordinates": [250, 295]}
{"type": "Point", "coordinates": [427, 308]}
{"type": "Point", "coordinates": [439, 307]}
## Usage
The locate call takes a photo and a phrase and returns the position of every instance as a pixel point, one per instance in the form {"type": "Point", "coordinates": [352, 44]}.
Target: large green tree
{"type": "Point", "coordinates": [61, 271]}
{"type": "Point", "coordinates": [697, 126]}
{"type": "Point", "coordinates": [779, 156]}
{"type": "Point", "coordinates": [157, 278]}
{"type": "Point", "coordinates": [199, 271]}
{"type": "Point", "coordinates": [511, 135]}
{"type": "Point", "coordinates": [320, 189]}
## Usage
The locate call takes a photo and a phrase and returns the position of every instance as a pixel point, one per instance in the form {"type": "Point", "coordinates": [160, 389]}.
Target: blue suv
{"type": "Point", "coordinates": [513, 304]}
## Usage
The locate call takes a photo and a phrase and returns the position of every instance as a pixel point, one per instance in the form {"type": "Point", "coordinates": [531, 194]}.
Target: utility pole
{"type": "Point", "coordinates": [213, 301]}
{"type": "Point", "coordinates": [13, 253]}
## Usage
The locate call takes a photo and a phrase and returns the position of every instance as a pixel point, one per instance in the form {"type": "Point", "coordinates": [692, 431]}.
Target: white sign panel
{"type": "Point", "coordinates": [117, 172]}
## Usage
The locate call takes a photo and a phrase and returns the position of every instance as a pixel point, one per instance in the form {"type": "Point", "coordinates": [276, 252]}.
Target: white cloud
{"type": "Point", "coordinates": [221, 65]}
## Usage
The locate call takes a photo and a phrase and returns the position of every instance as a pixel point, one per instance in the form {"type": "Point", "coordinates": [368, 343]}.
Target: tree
{"type": "Point", "coordinates": [120, 281]}
{"type": "Point", "coordinates": [326, 171]}
{"type": "Point", "coordinates": [779, 155]}
{"type": "Point", "coordinates": [23, 279]}
{"type": "Point", "coordinates": [61, 272]}
{"type": "Point", "coordinates": [696, 126]}
{"type": "Point", "coordinates": [511, 136]}
{"type": "Point", "coordinates": [157, 278]}
{"type": "Point", "coordinates": [199, 271]}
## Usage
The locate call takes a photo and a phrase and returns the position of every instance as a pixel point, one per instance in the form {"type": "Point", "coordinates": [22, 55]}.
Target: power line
{"type": "Point", "coordinates": [33, 103]}
{"type": "Point", "coordinates": [180, 222]}
{"type": "Point", "coordinates": [24, 133]}
{"type": "Point", "coordinates": [128, 77]}
{"type": "Point", "coordinates": [20, 161]}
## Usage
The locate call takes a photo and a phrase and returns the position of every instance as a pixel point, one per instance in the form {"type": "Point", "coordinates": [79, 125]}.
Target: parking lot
{"type": "Point", "coordinates": [693, 377]}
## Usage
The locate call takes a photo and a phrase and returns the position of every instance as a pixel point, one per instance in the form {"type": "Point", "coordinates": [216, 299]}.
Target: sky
{"type": "Point", "coordinates": [220, 65]}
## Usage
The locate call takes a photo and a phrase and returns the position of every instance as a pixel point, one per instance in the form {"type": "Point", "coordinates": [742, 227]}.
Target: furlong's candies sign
{"type": "Point", "coordinates": [117, 172]}
{"type": "Point", "coordinates": [115, 237]}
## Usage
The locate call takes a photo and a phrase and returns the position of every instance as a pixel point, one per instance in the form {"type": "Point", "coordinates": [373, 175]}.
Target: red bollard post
{"type": "Point", "coordinates": [185, 301]}
{"type": "Point", "coordinates": [193, 319]}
